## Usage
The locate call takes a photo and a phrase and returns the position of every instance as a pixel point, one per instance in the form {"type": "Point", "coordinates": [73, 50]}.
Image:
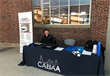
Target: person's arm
{"type": "Point", "coordinates": [42, 40]}
{"type": "Point", "coordinates": [53, 41]}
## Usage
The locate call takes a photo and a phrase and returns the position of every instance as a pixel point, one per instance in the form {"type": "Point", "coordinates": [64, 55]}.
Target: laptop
{"type": "Point", "coordinates": [50, 46]}
{"type": "Point", "coordinates": [38, 43]}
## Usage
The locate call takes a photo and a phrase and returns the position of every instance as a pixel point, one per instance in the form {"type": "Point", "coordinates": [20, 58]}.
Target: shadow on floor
{"type": "Point", "coordinates": [6, 49]}
{"type": "Point", "coordinates": [107, 72]}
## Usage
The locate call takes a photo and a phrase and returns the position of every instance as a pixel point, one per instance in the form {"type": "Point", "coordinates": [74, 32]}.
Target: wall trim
{"type": "Point", "coordinates": [61, 26]}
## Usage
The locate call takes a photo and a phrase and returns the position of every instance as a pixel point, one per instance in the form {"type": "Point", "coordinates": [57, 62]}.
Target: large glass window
{"type": "Point", "coordinates": [62, 11]}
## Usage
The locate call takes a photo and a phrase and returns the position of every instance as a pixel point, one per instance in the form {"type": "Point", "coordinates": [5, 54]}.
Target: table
{"type": "Point", "coordinates": [62, 62]}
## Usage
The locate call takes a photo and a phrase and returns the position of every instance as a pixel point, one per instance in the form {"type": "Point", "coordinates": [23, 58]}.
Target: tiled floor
{"type": "Point", "coordinates": [107, 72]}
{"type": "Point", "coordinates": [9, 59]}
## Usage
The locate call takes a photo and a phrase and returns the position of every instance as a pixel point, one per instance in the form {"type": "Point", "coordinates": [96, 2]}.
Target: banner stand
{"type": "Point", "coordinates": [25, 29]}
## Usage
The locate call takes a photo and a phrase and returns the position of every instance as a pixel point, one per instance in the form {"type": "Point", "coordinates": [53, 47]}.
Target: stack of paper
{"type": "Point", "coordinates": [37, 43]}
{"type": "Point", "coordinates": [59, 48]}
{"type": "Point", "coordinates": [86, 52]}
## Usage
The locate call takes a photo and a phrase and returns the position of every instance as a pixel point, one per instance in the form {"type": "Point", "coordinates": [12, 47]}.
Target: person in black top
{"type": "Point", "coordinates": [47, 38]}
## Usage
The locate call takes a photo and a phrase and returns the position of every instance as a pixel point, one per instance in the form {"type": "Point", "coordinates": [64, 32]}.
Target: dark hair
{"type": "Point", "coordinates": [46, 30]}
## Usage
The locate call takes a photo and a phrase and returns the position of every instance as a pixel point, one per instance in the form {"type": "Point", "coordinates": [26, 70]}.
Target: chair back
{"type": "Point", "coordinates": [69, 42]}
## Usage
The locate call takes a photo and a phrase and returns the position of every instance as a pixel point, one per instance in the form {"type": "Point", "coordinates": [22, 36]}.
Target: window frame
{"type": "Point", "coordinates": [63, 25]}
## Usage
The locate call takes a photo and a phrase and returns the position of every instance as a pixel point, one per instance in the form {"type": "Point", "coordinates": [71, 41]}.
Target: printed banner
{"type": "Point", "coordinates": [25, 29]}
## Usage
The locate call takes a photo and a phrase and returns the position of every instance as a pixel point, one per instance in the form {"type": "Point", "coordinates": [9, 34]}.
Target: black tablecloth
{"type": "Point", "coordinates": [63, 62]}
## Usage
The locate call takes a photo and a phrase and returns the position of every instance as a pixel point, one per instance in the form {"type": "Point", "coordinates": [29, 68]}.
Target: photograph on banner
{"type": "Point", "coordinates": [25, 27]}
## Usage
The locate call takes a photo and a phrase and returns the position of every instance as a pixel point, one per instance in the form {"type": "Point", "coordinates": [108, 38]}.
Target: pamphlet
{"type": "Point", "coordinates": [86, 52]}
{"type": "Point", "coordinates": [59, 48]}
{"type": "Point", "coordinates": [38, 43]}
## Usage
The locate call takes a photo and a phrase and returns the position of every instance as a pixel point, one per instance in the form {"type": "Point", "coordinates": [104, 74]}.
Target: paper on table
{"type": "Point", "coordinates": [38, 43]}
{"type": "Point", "coordinates": [59, 48]}
{"type": "Point", "coordinates": [86, 52]}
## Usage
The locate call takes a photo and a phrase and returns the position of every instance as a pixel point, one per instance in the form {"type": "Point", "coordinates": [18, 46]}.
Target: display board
{"type": "Point", "coordinates": [25, 29]}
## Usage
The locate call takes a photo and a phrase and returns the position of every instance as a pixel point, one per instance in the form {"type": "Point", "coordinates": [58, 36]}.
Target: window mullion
{"type": "Point", "coordinates": [79, 12]}
{"type": "Point", "coordinates": [90, 11]}
{"type": "Point", "coordinates": [59, 11]}
{"type": "Point", "coordinates": [50, 10]}
{"type": "Point", "coordinates": [68, 11]}
{"type": "Point", "coordinates": [42, 10]}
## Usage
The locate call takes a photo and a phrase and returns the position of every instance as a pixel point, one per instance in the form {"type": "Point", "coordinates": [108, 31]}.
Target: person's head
{"type": "Point", "coordinates": [46, 32]}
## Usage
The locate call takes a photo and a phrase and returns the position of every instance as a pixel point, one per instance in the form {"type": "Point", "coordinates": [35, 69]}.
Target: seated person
{"type": "Point", "coordinates": [47, 38]}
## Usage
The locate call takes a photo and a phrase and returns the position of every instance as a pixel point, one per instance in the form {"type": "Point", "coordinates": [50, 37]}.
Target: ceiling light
{"type": "Point", "coordinates": [63, 14]}
{"type": "Point", "coordinates": [83, 13]}
{"type": "Point", "coordinates": [73, 13]}
{"type": "Point", "coordinates": [85, 19]}
{"type": "Point", "coordinates": [81, 19]}
{"type": "Point", "coordinates": [61, 17]}
{"type": "Point", "coordinates": [65, 17]}
{"type": "Point", "coordinates": [45, 9]}
{"type": "Point", "coordinates": [46, 3]}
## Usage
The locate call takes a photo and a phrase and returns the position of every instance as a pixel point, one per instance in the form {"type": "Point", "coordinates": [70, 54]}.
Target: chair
{"type": "Point", "coordinates": [69, 42]}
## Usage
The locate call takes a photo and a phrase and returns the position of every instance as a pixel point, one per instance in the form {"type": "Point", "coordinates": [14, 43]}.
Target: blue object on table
{"type": "Point", "coordinates": [75, 48]}
{"type": "Point", "coordinates": [98, 48]}
{"type": "Point", "coordinates": [80, 49]}
{"type": "Point", "coordinates": [32, 45]}
{"type": "Point", "coordinates": [71, 48]}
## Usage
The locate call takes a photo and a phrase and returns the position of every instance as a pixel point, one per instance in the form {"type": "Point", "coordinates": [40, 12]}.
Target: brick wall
{"type": "Point", "coordinates": [98, 30]}
{"type": "Point", "coordinates": [9, 28]}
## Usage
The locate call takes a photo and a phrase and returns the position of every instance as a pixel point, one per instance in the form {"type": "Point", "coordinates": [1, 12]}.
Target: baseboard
{"type": "Point", "coordinates": [10, 44]}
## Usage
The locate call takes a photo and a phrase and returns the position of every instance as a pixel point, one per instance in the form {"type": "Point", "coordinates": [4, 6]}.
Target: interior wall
{"type": "Point", "coordinates": [9, 25]}
{"type": "Point", "coordinates": [107, 55]}
{"type": "Point", "coordinates": [97, 30]}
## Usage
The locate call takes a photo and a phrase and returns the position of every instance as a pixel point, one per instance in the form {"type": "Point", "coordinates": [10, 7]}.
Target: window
{"type": "Point", "coordinates": [72, 12]}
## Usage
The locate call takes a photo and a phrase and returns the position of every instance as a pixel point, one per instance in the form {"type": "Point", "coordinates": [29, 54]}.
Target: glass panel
{"type": "Point", "coordinates": [76, 16]}
{"type": "Point", "coordinates": [55, 20]}
{"type": "Point", "coordinates": [63, 2]}
{"type": "Point", "coordinates": [46, 11]}
{"type": "Point", "coordinates": [63, 10]}
{"type": "Point", "coordinates": [84, 9]}
{"type": "Point", "coordinates": [64, 20]}
{"type": "Point", "coordinates": [37, 11]}
{"type": "Point", "coordinates": [55, 11]}
{"type": "Point", "coordinates": [37, 2]}
{"type": "Point", "coordinates": [54, 2]}
{"type": "Point", "coordinates": [74, 10]}
{"type": "Point", "coordinates": [84, 1]}
{"type": "Point", "coordinates": [37, 19]}
{"type": "Point", "coordinates": [84, 19]}
{"type": "Point", "coordinates": [74, 2]}
{"type": "Point", "coordinates": [46, 2]}
{"type": "Point", "coordinates": [74, 19]}
{"type": "Point", "coordinates": [46, 20]}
